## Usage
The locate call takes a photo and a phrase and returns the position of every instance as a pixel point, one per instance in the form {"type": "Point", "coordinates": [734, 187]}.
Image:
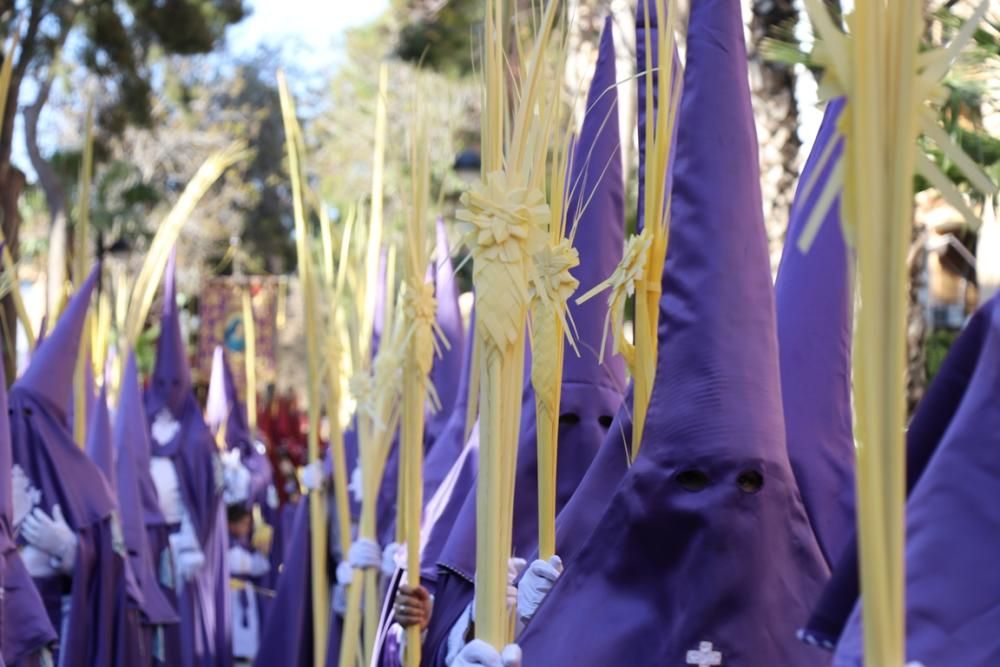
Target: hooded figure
{"type": "Point", "coordinates": [225, 412]}
{"type": "Point", "coordinates": [814, 302]}
{"type": "Point", "coordinates": [952, 525]}
{"type": "Point", "coordinates": [447, 376]}
{"type": "Point", "coordinates": [187, 472]}
{"type": "Point", "coordinates": [591, 392]}
{"type": "Point", "coordinates": [131, 436]}
{"type": "Point", "coordinates": [25, 628]}
{"type": "Point", "coordinates": [248, 484]}
{"type": "Point", "coordinates": [704, 554]}
{"type": "Point", "coordinates": [931, 421]}
{"type": "Point", "coordinates": [158, 613]}
{"type": "Point", "coordinates": [132, 647]}
{"type": "Point", "coordinates": [74, 550]}
{"type": "Point", "coordinates": [577, 520]}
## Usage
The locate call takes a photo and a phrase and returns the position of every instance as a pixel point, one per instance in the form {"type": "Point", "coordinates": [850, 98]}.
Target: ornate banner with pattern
{"type": "Point", "coordinates": [221, 315]}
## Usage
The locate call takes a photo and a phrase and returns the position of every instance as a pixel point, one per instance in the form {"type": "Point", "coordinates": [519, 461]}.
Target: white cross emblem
{"type": "Point", "coordinates": [704, 656]}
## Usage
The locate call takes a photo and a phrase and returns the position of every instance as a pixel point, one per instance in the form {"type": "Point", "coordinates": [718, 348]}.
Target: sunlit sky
{"type": "Point", "coordinates": [310, 29]}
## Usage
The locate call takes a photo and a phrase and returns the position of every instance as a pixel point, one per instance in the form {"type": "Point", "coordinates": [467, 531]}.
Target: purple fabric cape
{"type": "Point", "coordinates": [450, 442]}
{"type": "Point", "coordinates": [25, 628]}
{"type": "Point", "coordinates": [286, 636]}
{"type": "Point", "coordinates": [952, 531]}
{"type": "Point", "coordinates": [204, 603]}
{"type": "Point", "coordinates": [814, 302]}
{"type": "Point", "coordinates": [591, 392]}
{"type": "Point", "coordinates": [44, 449]}
{"type": "Point", "coordinates": [930, 422]}
{"type": "Point", "coordinates": [705, 539]}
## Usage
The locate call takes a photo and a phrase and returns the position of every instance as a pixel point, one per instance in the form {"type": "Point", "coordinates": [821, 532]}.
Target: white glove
{"type": "Point", "coordinates": [536, 584]}
{"type": "Point", "coordinates": [356, 484]}
{"type": "Point", "coordinates": [345, 573]}
{"type": "Point", "coordinates": [236, 477]}
{"type": "Point", "coordinates": [51, 535]}
{"type": "Point", "coordinates": [478, 652]}
{"type": "Point", "coordinates": [247, 564]}
{"type": "Point", "coordinates": [340, 597]}
{"type": "Point", "coordinates": [364, 553]}
{"type": "Point", "coordinates": [311, 476]}
{"type": "Point", "coordinates": [390, 557]}
{"type": "Point", "coordinates": [188, 556]}
{"type": "Point", "coordinates": [259, 565]}
{"type": "Point", "coordinates": [189, 563]}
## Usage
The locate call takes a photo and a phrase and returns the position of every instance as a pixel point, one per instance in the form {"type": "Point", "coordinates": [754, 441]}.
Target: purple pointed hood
{"type": "Point", "coordinates": [49, 376]}
{"type": "Point", "coordinates": [99, 447]}
{"type": "Point", "coordinates": [953, 529]}
{"type": "Point", "coordinates": [647, 26]}
{"type": "Point", "coordinates": [577, 520]}
{"type": "Point", "coordinates": [129, 437]}
{"type": "Point", "coordinates": [171, 382]}
{"type": "Point", "coordinates": [596, 213]}
{"type": "Point", "coordinates": [814, 300]}
{"type": "Point", "coordinates": [591, 393]}
{"type": "Point", "coordinates": [225, 407]}
{"type": "Point", "coordinates": [739, 554]}
{"type": "Point", "coordinates": [136, 439]}
{"type": "Point", "coordinates": [446, 373]}
{"type": "Point", "coordinates": [43, 447]}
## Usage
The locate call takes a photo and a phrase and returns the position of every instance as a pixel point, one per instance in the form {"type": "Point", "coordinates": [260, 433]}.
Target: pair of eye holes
{"type": "Point", "coordinates": [571, 418]}
{"type": "Point", "coordinates": [748, 481]}
{"type": "Point", "coordinates": [27, 412]}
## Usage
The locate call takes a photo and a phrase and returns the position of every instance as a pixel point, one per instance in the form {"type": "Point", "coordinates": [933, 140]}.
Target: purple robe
{"type": "Point", "coordinates": [25, 628]}
{"type": "Point", "coordinates": [952, 529]}
{"type": "Point", "coordinates": [591, 392]}
{"type": "Point", "coordinates": [132, 645]}
{"type": "Point", "coordinates": [930, 423]}
{"type": "Point", "coordinates": [286, 637]}
{"type": "Point", "coordinates": [203, 603]}
{"type": "Point", "coordinates": [43, 449]}
{"type": "Point", "coordinates": [705, 544]}
{"type": "Point", "coordinates": [167, 642]}
{"type": "Point", "coordinates": [814, 303]}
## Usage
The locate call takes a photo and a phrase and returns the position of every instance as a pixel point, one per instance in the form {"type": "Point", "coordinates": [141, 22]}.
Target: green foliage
{"type": "Point", "coordinates": [442, 39]}
{"type": "Point", "coordinates": [938, 343]}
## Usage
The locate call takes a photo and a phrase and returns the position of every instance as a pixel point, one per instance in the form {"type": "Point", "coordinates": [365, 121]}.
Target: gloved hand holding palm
{"type": "Point", "coordinates": [51, 535]}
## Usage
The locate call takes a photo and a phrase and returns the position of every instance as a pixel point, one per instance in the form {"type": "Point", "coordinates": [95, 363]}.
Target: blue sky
{"type": "Point", "coordinates": [311, 29]}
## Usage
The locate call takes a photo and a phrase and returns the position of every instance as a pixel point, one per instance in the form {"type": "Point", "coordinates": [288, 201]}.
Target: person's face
{"type": "Point", "coordinates": [240, 528]}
